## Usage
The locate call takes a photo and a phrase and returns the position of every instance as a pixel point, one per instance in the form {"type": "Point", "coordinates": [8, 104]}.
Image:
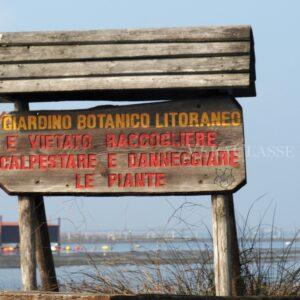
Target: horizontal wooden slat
{"type": "Point", "coordinates": [123, 67]}
{"type": "Point", "coordinates": [58, 296]}
{"type": "Point", "coordinates": [127, 63]}
{"type": "Point", "coordinates": [85, 296]}
{"type": "Point", "coordinates": [80, 52]}
{"type": "Point", "coordinates": [125, 83]}
{"type": "Point", "coordinates": [191, 34]}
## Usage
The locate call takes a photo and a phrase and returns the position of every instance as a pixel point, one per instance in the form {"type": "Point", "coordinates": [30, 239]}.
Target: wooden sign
{"type": "Point", "coordinates": [160, 63]}
{"type": "Point", "coordinates": [186, 147]}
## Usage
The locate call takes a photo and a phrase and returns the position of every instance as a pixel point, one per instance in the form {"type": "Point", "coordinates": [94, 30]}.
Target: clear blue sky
{"type": "Point", "coordinates": [271, 119]}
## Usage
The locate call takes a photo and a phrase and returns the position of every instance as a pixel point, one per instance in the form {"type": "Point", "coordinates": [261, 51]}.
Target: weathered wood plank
{"type": "Point", "coordinates": [125, 83]}
{"type": "Point", "coordinates": [57, 296]}
{"type": "Point", "coordinates": [125, 67]}
{"type": "Point", "coordinates": [86, 296]}
{"type": "Point", "coordinates": [101, 63]}
{"type": "Point", "coordinates": [189, 34]}
{"type": "Point", "coordinates": [100, 51]}
{"type": "Point", "coordinates": [134, 149]}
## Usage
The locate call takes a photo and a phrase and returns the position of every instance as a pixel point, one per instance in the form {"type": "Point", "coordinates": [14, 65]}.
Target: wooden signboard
{"type": "Point", "coordinates": [128, 64]}
{"type": "Point", "coordinates": [186, 147]}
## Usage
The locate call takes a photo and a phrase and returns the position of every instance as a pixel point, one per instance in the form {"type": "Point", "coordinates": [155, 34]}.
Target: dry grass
{"type": "Point", "coordinates": [265, 270]}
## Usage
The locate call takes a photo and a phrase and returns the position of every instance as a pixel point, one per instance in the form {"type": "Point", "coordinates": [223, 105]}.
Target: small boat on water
{"type": "Point", "coordinates": [77, 248]}
{"type": "Point", "coordinates": [135, 247]}
{"type": "Point", "coordinates": [68, 248]}
{"type": "Point", "coordinates": [55, 247]}
{"type": "Point", "coordinates": [8, 249]}
{"type": "Point", "coordinates": [105, 248]}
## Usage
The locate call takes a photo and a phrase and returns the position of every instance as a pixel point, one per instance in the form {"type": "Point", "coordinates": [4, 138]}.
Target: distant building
{"type": "Point", "coordinates": [9, 232]}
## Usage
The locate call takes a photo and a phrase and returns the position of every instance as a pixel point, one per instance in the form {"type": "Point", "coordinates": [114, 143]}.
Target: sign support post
{"type": "Point", "coordinates": [27, 243]}
{"type": "Point", "coordinates": [226, 250]}
{"type": "Point", "coordinates": [26, 231]}
{"type": "Point", "coordinates": [44, 255]}
{"type": "Point", "coordinates": [34, 238]}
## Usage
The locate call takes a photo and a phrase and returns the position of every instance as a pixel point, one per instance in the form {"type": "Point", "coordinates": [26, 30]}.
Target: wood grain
{"type": "Point", "coordinates": [44, 255]}
{"type": "Point", "coordinates": [222, 245]}
{"type": "Point", "coordinates": [126, 83]}
{"type": "Point", "coordinates": [27, 243]}
{"type": "Point", "coordinates": [226, 250]}
{"type": "Point", "coordinates": [125, 67]}
{"type": "Point", "coordinates": [34, 238]}
{"type": "Point", "coordinates": [87, 296]}
{"type": "Point", "coordinates": [9, 54]}
{"type": "Point", "coordinates": [61, 296]}
{"type": "Point", "coordinates": [158, 62]}
{"type": "Point", "coordinates": [189, 34]}
{"type": "Point", "coordinates": [179, 180]}
{"type": "Point", "coordinates": [26, 231]}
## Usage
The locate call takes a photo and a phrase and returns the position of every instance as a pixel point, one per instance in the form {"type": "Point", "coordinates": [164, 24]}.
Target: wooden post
{"type": "Point", "coordinates": [34, 238]}
{"type": "Point", "coordinates": [27, 243]}
{"type": "Point", "coordinates": [26, 230]}
{"type": "Point", "coordinates": [43, 248]}
{"type": "Point", "coordinates": [238, 284]}
{"type": "Point", "coordinates": [226, 251]}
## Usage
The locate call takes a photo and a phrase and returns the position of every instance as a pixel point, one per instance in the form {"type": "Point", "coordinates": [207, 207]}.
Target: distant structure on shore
{"type": "Point", "coordinates": [9, 232]}
{"type": "Point", "coordinates": [128, 236]}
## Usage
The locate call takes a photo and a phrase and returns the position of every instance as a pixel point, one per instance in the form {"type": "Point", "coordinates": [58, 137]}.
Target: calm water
{"type": "Point", "coordinates": [10, 278]}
